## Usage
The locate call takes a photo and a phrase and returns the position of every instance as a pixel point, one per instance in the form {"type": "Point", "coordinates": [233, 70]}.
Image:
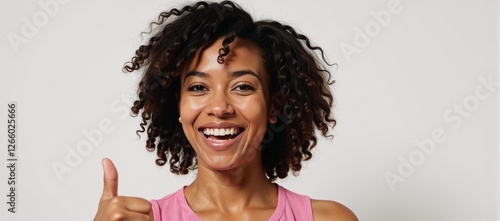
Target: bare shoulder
{"type": "Point", "coordinates": [324, 210]}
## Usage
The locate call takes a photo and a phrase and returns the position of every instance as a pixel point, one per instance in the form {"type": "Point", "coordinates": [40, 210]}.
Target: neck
{"type": "Point", "coordinates": [230, 190]}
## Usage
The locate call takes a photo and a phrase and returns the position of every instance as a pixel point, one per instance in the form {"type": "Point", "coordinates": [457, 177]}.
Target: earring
{"type": "Point", "coordinates": [180, 120]}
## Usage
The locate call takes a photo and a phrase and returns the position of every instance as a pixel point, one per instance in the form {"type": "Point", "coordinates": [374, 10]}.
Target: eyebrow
{"type": "Point", "coordinates": [232, 74]}
{"type": "Point", "coordinates": [195, 73]}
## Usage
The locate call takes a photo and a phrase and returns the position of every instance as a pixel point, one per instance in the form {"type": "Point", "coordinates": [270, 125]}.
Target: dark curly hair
{"type": "Point", "coordinates": [299, 82]}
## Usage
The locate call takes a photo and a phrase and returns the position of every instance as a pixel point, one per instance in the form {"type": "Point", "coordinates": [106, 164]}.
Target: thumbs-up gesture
{"type": "Point", "coordinates": [113, 207]}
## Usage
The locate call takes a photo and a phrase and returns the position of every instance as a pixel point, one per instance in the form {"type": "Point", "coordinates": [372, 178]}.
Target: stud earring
{"type": "Point", "coordinates": [180, 120]}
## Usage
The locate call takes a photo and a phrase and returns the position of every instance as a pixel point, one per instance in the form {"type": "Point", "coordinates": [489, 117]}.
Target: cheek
{"type": "Point", "coordinates": [254, 110]}
{"type": "Point", "coordinates": [189, 109]}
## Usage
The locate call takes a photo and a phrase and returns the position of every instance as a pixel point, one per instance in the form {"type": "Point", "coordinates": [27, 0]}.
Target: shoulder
{"type": "Point", "coordinates": [324, 210]}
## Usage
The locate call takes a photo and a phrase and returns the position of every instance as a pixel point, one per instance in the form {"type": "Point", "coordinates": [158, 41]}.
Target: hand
{"type": "Point", "coordinates": [113, 207]}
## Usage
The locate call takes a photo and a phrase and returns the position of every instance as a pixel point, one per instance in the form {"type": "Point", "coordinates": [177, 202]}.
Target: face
{"type": "Point", "coordinates": [224, 107]}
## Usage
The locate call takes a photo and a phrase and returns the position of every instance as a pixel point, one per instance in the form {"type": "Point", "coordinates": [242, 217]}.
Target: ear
{"type": "Point", "coordinates": [274, 107]}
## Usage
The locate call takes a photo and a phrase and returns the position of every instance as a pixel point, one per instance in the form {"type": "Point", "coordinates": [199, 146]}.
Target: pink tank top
{"type": "Point", "coordinates": [291, 206]}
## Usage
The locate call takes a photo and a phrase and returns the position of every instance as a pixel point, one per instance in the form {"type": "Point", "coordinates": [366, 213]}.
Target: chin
{"type": "Point", "coordinates": [224, 163]}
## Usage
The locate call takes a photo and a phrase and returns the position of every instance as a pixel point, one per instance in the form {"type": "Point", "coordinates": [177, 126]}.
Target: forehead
{"type": "Point", "coordinates": [243, 55]}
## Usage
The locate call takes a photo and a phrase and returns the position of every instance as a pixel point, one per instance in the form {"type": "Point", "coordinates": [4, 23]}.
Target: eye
{"type": "Point", "coordinates": [197, 88]}
{"type": "Point", "coordinates": [244, 87]}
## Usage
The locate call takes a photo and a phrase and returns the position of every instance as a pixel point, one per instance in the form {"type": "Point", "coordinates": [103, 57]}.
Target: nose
{"type": "Point", "coordinates": [219, 106]}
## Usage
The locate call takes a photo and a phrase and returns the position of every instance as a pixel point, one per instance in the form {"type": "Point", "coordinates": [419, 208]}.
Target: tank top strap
{"type": "Point", "coordinates": [292, 206]}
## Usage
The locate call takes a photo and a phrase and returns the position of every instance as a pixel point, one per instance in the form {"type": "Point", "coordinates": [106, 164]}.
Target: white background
{"type": "Point", "coordinates": [397, 88]}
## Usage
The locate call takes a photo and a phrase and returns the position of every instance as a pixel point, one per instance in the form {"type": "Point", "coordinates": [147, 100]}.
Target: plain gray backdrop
{"type": "Point", "coordinates": [417, 103]}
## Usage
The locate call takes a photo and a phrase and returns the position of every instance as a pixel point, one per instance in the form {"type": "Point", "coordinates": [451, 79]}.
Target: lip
{"type": "Point", "coordinates": [220, 146]}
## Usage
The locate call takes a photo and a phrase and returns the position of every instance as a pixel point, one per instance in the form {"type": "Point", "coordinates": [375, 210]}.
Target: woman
{"type": "Point", "coordinates": [237, 100]}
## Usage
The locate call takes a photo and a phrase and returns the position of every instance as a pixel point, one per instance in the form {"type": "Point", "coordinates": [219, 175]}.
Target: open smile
{"type": "Point", "coordinates": [221, 138]}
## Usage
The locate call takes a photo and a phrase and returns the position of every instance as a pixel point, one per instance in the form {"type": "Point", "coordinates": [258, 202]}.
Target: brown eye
{"type": "Point", "coordinates": [197, 88]}
{"type": "Point", "coordinates": [244, 87]}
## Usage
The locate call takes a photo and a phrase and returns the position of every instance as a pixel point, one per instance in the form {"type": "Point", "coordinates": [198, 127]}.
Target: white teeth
{"type": "Point", "coordinates": [218, 141]}
{"type": "Point", "coordinates": [220, 131]}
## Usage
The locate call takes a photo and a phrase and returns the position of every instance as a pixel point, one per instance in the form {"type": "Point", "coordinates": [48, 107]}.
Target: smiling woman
{"type": "Point", "coordinates": [214, 83]}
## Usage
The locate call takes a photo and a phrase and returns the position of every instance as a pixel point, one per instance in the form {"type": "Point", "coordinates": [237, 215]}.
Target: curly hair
{"type": "Point", "coordinates": [299, 82]}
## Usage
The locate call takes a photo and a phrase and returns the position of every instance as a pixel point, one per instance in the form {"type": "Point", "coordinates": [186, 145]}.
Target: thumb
{"type": "Point", "coordinates": [110, 180]}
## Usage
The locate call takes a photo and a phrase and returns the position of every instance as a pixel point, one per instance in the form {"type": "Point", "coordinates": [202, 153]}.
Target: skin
{"type": "Point", "coordinates": [231, 182]}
